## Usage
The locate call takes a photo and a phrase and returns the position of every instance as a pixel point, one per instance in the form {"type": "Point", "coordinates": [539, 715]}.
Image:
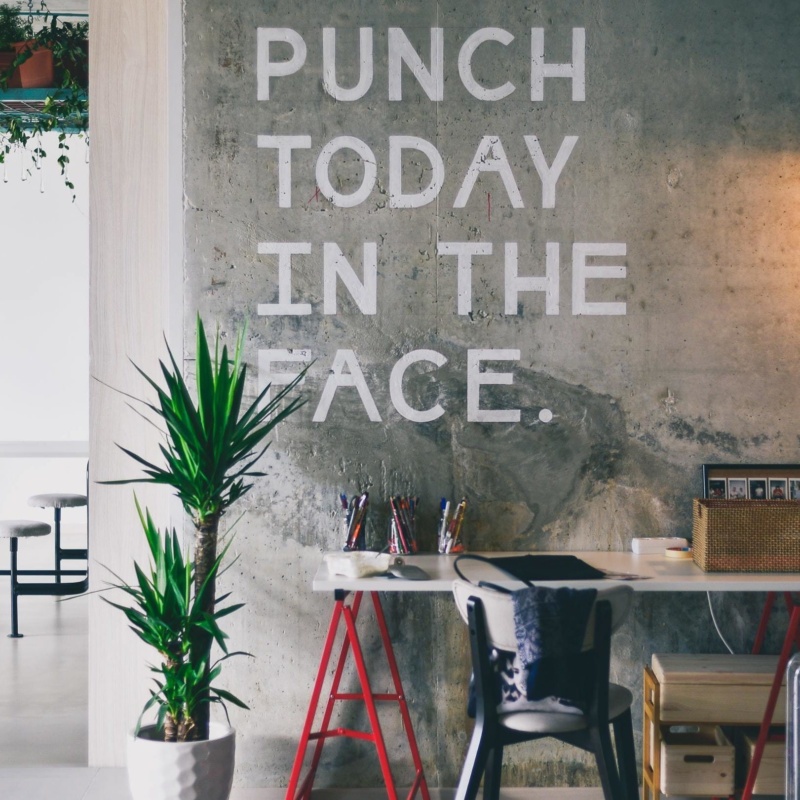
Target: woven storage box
{"type": "Point", "coordinates": [746, 535]}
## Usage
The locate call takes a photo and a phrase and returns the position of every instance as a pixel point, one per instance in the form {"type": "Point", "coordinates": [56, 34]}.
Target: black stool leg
{"type": "Point", "coordinates": [15, 634]}
{"type": "Point", "coordinates": [58, 543]}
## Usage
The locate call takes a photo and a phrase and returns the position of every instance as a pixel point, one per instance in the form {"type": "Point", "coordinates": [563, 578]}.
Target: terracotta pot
{"type": "Point", "coordinates": [159, 770]}
{"type": "Point", "coordinates": [37, 71]}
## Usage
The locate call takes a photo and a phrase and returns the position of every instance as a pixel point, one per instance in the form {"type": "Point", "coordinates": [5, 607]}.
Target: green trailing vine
{"type": "Point", "coordinates": [66, 108]}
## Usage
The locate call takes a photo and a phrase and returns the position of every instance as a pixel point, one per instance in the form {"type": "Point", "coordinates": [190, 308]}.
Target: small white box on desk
{"type": "Point", "coordinates": [657, 544]}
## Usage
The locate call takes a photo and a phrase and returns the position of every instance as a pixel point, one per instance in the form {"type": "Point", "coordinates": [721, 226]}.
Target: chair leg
{"type": "Point", "coordinates": [474, 765]}
{"type": "Point", "coordinates": [606, 763]}
{"type": "Point", "coordinates": [15, 634]}
{"type": "Point", "coordinates": [626, 755]}
{"type": "Point", "coordinates": [494, 768]}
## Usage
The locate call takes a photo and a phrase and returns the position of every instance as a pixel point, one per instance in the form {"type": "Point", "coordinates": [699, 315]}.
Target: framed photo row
{"type": "Point", "coordinates": [751, 481]}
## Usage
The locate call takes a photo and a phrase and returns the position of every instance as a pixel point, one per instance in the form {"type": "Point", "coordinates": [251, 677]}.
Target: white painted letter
{"type": "Point", "coordinates": [266, 377]}
{"type": "Point", "coordinates": [329, 65]}
{"type": "Point", "coordinates": [397, 199]}
{"type": "Point", "coordinates": [323, 166]}
{"type": "Point", "coordinates": [337, 378]}
{"type": "Point", "coordinates": [464, 251]}
{"type": "Point", "coordinates": [465, 63]}
{"type": "Point", "coordinates": [548, 284]}
{"type": "Point", "coordinates": [550, 175]}
{"type": "Point", "coordinates": [365, 294]}
{"type": "Point", "coordinates": [476, 379]}
{"type": "Point", "coordinates": [284, 145]}
{"type": "Point", "coordinates": [396, 385]}
{"type": "Point", "coordinates": [581, 272]}
{"type": "Point", "coordinates": [484, 162]}
{"type": "Point", "coordinates": [265, 69]}
{"type": "Point", "coordinates": [284, 251]}
{"type": "Point", "coordinates": [576, 70]}
{"type": "Point", "coordinates": [400, 50]}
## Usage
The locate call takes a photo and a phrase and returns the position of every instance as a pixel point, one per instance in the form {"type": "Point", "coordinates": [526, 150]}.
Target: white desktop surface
{"type": "Point", "coordinates": [657, 574]}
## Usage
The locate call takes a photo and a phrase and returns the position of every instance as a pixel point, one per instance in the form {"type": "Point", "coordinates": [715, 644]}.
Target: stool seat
{"type": "Point", "coordinates": [14, 530]}
{"type": "Point", "coordinates": [17, 528]}
{"type": "Point", "coordinates": [60, 500]}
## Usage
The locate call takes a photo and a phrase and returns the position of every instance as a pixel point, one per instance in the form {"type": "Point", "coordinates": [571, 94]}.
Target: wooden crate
{"type": "Point", "coordinates": [723, 689]}
{"type": "Point", "coordinates": [771, 778]}
{"type": "Point", "coordinates": [696, 760]}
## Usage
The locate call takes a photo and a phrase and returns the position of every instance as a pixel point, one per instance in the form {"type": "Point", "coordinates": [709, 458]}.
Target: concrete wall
{"type": "Point", "coordinates": [685, 169]}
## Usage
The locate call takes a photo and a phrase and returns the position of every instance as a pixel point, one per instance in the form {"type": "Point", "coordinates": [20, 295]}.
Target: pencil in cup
{"type": "Point", "coordinates": [449, 533]}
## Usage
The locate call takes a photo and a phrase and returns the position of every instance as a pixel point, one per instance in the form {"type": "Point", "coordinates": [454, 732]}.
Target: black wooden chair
{"type": "Point", "coordinates": [490, 617]}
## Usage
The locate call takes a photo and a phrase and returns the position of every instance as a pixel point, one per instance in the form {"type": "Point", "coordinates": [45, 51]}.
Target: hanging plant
{"type": "Point", "coordinates": [60, 47]}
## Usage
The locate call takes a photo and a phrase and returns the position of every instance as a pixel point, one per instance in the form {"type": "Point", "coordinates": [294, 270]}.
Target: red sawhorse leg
{"type": "Point", "coordinates": [789, 641]}
{"type": "Point", "coordinates": [349, 615]}
{"type": "Point", "coordinates": [765, 615]}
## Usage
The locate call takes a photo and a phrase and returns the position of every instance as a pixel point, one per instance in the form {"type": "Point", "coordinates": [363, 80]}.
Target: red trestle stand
{"type": "Point", "coordinates": [342, 612]}
{"type": "Point", "coordinates": [790, 640]}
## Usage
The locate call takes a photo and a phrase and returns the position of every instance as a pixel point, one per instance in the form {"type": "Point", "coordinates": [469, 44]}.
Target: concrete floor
{"type": "Point", "coordinates": [43, 708]}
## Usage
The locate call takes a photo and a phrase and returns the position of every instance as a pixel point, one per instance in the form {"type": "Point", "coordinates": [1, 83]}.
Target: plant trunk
{"type": "Point", "coordinates": [187, 732]}
{"type": "Point", "coordinates": [205, 554]}
{"type": "Point", "coordinates": [170, 729]}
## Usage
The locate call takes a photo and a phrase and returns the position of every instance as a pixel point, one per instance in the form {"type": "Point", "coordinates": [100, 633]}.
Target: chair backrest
{"type": "Point", "coordinates": [499, 611]}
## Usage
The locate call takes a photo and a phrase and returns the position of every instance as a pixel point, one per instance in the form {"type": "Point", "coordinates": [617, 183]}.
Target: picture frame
{"type": "Point", "coordinates": [718, 488]}
{"type": "Point", "coordinates": [737, 488]}
{"type": "Point", "coordinates": [751, 481]}
{"type": "Point", "coordinates": [778, 488]}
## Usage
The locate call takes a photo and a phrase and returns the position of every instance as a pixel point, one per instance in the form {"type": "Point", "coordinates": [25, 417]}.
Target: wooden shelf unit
{"type": "Point", "coordinates": [691, 689]}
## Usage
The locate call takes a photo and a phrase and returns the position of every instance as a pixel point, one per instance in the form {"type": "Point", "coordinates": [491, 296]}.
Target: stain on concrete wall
{"type": "Point", "coordinates": [686, 154]}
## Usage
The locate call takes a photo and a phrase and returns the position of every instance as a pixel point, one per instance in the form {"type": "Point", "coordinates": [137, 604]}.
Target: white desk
{"type": "Point", "coordinates": [658, 574]}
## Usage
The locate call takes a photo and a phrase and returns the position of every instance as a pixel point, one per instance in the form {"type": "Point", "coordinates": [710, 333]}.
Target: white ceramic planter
{"type": "Point", "coordinates": [160, 770]}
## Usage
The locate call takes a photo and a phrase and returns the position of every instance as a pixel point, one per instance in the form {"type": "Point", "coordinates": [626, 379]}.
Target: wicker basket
{"type": "Point", "coordinates": [746, 535]}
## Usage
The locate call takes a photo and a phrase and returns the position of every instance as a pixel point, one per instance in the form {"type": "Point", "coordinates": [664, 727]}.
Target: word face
{"type": "Point", "coordinates": [345, 374]}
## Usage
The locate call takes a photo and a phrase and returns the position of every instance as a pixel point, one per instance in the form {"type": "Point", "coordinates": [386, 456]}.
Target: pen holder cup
{"type": "Point", "coordinates": [354, 529]}
{"type": "Point", "coordinates": [401, 540]}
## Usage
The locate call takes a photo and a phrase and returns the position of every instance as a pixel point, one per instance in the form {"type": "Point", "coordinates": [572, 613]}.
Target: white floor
{"type": "Point", "coordinates": [43, 707]}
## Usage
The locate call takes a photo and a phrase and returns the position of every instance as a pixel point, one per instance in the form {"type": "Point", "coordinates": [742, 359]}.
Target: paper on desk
{"type": "Point", "coordinates": [624, 576]}
{"type": "Point", "coordinates": [358, 564]}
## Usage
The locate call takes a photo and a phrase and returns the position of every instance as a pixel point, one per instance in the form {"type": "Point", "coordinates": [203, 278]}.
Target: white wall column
{"type": "Point", "coordinates": [135, 266]}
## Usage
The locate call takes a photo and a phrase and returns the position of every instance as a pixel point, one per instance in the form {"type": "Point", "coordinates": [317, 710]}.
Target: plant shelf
{"type": "Point", "coordinates": [27, 104]}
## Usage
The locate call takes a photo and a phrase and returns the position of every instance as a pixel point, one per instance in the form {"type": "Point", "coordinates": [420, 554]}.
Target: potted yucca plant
{"type": "Point", "coordinates": [213, 439]}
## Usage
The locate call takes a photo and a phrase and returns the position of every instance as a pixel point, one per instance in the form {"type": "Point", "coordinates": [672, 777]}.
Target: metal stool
{"type": "Point", "coordinates": [14, 529]}
{"type": "Point", "coordinates": [57, 502]}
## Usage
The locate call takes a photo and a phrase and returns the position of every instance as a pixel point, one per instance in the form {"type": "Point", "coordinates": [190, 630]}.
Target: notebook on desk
{"type": "Point", "coordinates": [531, 568]}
